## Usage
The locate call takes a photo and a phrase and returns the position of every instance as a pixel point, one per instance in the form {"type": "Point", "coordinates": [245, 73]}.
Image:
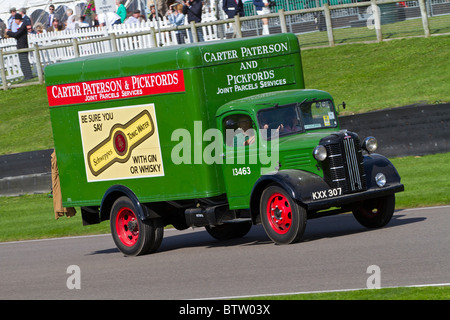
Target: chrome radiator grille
{"type": "Point", "coordinates": [344, 165]}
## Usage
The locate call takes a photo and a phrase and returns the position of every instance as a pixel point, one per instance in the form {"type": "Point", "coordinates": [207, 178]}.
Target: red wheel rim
{"type": "Point", "coordinates": [279, 213]}
{"type": "Point", "coordinates": [127, 227]}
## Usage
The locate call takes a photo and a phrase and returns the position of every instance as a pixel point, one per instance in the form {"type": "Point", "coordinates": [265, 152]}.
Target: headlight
{"type": "Point", "coordinates": [380, 179]}
{"type": "Point", "coordinates": [370, 144]}
{"type": "Point", "coordinates": [320, 153]}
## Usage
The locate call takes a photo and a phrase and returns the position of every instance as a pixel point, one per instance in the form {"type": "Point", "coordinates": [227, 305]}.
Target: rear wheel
{"type": "Point", "coordinates": [283, 219]}
{"type": "Point", "coordinates": [131, 235]}
{"type": "Point", "coordinates": [376, 213]}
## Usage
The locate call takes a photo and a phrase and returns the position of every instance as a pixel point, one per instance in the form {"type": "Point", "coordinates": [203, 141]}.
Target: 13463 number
{"type": "Point", "coordinates": [241, 171]}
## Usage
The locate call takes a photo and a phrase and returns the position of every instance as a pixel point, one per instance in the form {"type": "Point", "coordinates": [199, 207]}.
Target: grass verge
{"type": "Point", "coordinates": [31, 217]}
{"type": "Point", "coordinates": [401, 293]}
{"type": "Point", "coordinates": [425, 180]}
{"type": "Point", "coordinates": [25, 123]}
{"type": "Point", "coordinates": [375, 76]}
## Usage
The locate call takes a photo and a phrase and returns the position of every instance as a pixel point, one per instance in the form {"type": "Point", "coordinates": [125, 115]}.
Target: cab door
{"type": "Point", "coordinates": [240, 164]}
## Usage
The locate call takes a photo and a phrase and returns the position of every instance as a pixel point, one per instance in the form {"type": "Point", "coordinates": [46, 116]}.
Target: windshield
{"type": "Point", "coordinates": [298, 117]}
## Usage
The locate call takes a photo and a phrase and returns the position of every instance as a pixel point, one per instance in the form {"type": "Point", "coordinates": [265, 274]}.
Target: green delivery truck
{"type": "Point", "coordinates": [221, 135]}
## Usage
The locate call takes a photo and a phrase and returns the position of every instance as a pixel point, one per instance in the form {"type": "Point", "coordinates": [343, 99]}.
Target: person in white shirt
{"type": "Point", "coordinates": [70, 23]}
{"type": "Point", "coordinates": [81, 22]}
{"type": "Point", "coordinates": [134, 18]}
{"type": "Point", "coordinates": [108, 19]}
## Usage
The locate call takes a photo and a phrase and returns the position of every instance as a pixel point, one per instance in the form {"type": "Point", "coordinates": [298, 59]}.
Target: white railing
{"type": "Point", "coordinates": [11, 61]}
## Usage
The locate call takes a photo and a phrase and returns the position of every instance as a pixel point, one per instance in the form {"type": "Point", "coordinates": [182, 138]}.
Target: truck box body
{"type": "Point", "coordinates": [113, 115]}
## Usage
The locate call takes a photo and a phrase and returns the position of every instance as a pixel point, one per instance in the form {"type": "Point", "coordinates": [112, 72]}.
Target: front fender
{"type": "Point", "coordinates": [376, 163]}
{"type": "Point", "coordinates": [299, 185]}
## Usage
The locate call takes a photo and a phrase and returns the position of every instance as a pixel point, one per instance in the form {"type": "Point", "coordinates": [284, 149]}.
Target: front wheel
{"type": "Point", "coordinates": [283, 219]}
{"type": "Point", "coordinates": [131, 235]}
{"type": "Point", "coordinates": [376, 213]}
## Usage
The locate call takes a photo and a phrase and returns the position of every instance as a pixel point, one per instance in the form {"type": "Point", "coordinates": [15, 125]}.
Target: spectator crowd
{"type": "Point", "coordinates": [176, 15]}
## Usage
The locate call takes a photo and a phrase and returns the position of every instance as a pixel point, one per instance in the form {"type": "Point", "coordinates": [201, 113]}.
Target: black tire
{"type": "Point", "coordinates": [131, 235]}
{"type": "Point", "coordinates": [376, 213]}
{"type": "Point", "coordinates": [283, 219]}
{"type": "Point", "coordinates": [229, 230]}
{"type": "Point", "coordinates": [159, 234]}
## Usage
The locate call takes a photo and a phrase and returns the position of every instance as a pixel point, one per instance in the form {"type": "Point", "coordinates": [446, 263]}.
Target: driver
{"type": "Point", "coordinates": [245, 133]}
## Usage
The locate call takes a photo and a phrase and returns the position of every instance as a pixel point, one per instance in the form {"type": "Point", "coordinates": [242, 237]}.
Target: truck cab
{"type": "Point", "coordinates": [286, 156]}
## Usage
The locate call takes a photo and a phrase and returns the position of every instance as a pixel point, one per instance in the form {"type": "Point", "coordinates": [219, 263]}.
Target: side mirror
{"type": "Point", "coordinates": [342, 104]}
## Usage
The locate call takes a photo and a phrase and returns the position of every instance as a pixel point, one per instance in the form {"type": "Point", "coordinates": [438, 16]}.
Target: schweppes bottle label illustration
{"type": "Point", "coordinates": [123, 138]}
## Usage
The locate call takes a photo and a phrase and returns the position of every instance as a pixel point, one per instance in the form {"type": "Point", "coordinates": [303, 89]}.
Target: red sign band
{"type": "Point", "coordinates": [117, 88]}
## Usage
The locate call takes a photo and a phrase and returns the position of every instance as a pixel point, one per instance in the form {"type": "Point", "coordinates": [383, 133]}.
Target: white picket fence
{"type": "Point", "coordinates": [11, 61]}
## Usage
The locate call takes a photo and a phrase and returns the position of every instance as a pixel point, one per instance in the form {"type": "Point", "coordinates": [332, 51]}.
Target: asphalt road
{"type": "Point", "coordinates": [413, 249]}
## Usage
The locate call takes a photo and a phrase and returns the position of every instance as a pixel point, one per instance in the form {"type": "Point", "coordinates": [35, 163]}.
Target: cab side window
{"type": "Point", "coordinates": [239, 130]}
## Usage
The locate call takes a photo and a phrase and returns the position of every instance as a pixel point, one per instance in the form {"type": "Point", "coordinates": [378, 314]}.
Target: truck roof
{"type": "Point", "coordinates": [255, 103]}
{"type": "Point", "coordinates": [146, 61]}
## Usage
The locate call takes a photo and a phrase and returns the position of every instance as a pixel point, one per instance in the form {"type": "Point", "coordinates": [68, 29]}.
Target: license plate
{"type": "Point", "coordinates": [325, 194]}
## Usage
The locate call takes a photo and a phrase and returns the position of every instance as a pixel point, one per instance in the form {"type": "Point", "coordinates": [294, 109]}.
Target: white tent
{"type": "Point", "coordinates": [39, 8]}
{"type": "Point", "coordinates": [33, 5]}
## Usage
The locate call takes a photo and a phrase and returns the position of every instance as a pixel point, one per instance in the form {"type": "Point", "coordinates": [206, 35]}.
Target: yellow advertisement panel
{"type": "Point", "coordinates": [121, 143]}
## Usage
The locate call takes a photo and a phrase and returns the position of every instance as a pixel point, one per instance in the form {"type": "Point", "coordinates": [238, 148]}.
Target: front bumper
{"type": "Point", "coordinates": [339, 201]}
